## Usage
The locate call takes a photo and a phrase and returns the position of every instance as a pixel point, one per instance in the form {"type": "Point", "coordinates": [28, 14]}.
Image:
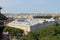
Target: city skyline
{"type": "Point", "coordinates": [30, 6]}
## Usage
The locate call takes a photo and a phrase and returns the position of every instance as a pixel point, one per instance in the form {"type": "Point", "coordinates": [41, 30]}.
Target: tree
{"type": "Point", "coordinates": [44, 38]}
{"type": "Point", "coordinates": [56, 24]}
{"type": "Point", "coordinates": [32, 36]}
{"type": "Point", "coordinates": [14, 31]}
{"type": "Point", "coordinates": [56, 38]}
{"type": "Point", "coordinates": [22, 38]}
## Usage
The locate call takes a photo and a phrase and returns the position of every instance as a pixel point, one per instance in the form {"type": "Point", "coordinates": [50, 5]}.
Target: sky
{"type": "Point", "coordinates": [30, 6]}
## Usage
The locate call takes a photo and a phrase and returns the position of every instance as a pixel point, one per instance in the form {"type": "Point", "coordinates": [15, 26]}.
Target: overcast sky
{"type": "Point", "coordinates": [30, 6]}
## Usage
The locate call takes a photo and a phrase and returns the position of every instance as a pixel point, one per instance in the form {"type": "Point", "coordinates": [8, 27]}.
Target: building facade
{"type": "Point", "coordinates": [32, 25]}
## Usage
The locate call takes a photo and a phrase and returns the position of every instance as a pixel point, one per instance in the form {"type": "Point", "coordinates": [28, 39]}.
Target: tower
{"type": "Point", "coordinates": [2, 20]}
{"type": "Point", "coordinates": [1, 27]}
{"type": "Point", "coordinates": [0, 9]}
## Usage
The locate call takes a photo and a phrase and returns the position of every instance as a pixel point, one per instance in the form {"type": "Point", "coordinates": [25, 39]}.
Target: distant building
{"type": "Point", "coordinates": [32, 25]}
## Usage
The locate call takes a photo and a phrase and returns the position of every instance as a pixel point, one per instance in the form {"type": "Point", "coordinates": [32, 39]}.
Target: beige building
{"type": "Point", "coordinates": [32, 25]}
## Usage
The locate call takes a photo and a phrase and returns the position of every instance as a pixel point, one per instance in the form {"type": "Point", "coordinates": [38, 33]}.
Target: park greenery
{"type": "Point", "coordinates": [48, 33]}
{"type": "Point", "coordinates": [48, 17]}
{"type": "Point", "coordinates": [13, 31]}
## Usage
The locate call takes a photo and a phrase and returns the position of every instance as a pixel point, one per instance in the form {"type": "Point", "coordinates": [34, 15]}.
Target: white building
{"type": "Point", "coordinates": [32, 25]}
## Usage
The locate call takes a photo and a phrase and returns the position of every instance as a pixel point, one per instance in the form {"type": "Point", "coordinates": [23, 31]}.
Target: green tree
{"type": "Point", "coordinates": [22, 38]}
{"type": "Point", "coordinates": [14, 31]}
{"type": "Point", "coordinates": [56, 38]}
{"type": "Point", "coordinates": [56, 24]}
{"type": "Point", "coordinates": [44, 38]}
